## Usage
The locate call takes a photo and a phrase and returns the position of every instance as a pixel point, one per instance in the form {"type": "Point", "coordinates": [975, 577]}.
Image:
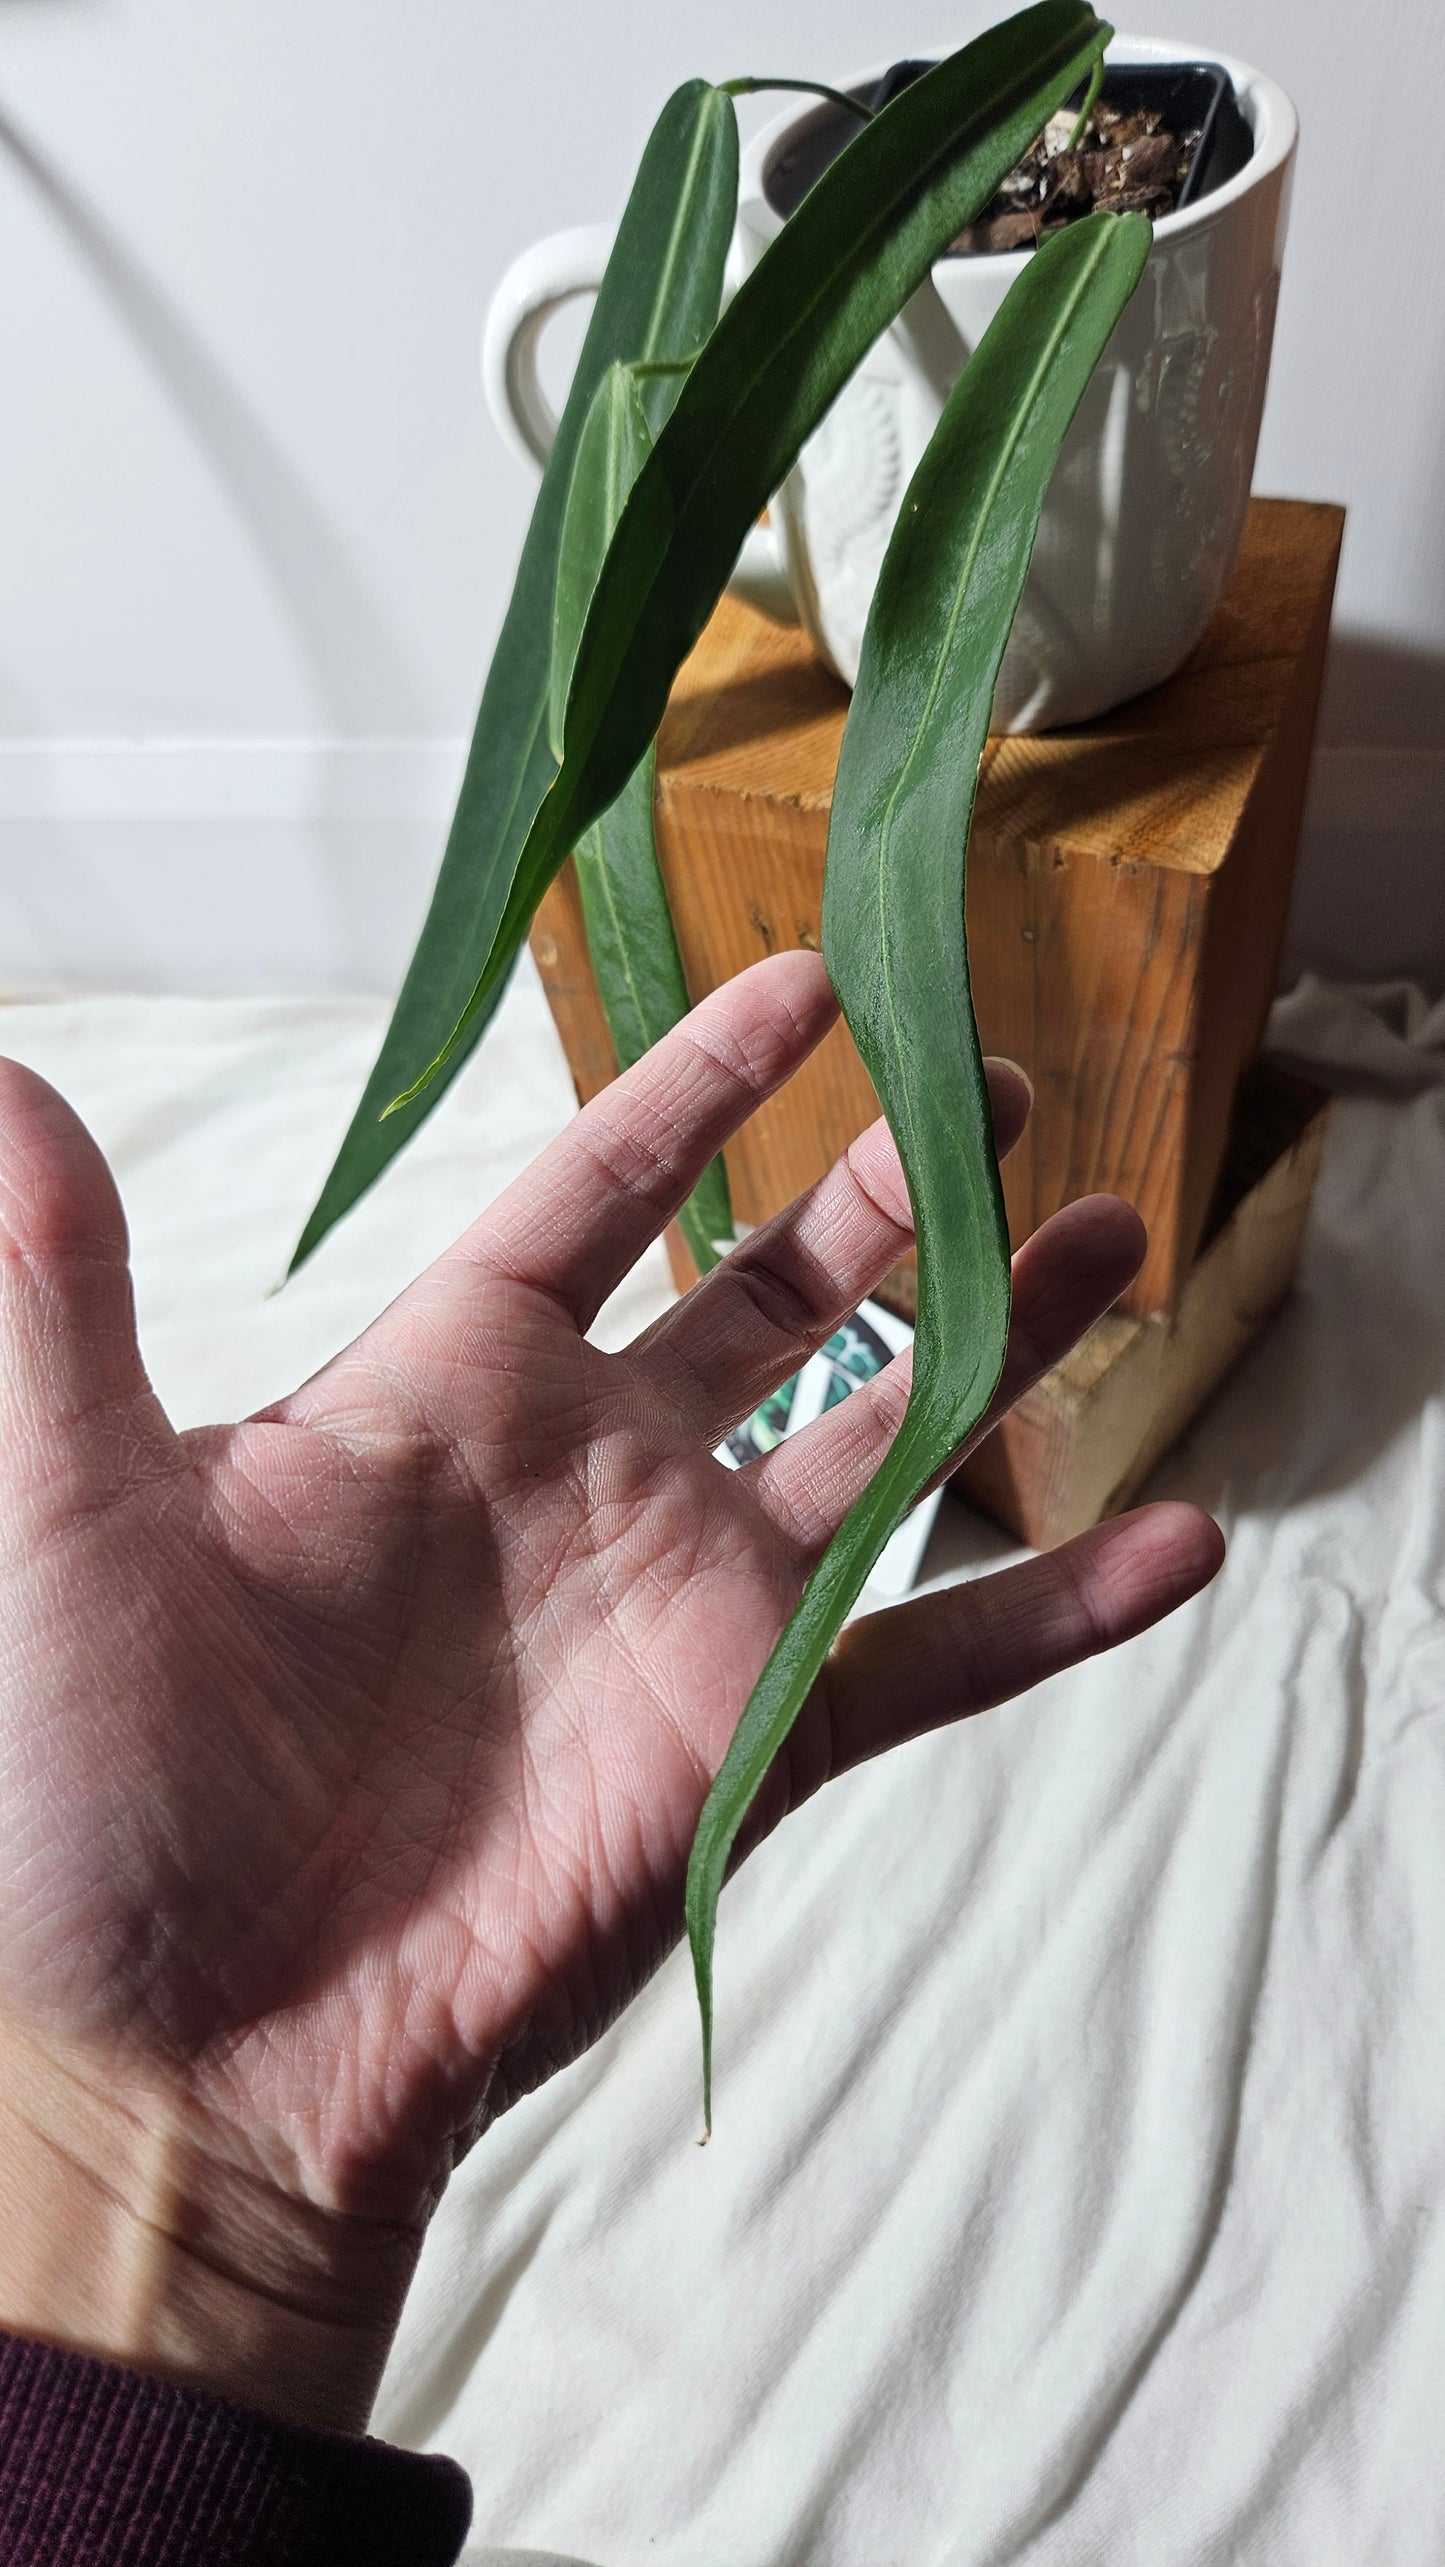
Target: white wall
{"type": "Point", "coordinates": [251, 507]}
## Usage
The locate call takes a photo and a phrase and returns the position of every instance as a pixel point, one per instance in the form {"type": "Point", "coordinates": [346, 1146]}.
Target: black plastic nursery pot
{"type": "Point", "coordinates": [1190, 97]}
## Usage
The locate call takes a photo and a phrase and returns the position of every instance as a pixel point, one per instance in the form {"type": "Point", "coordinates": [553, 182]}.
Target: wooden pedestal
{"type": "Point", "coordinates": [1128, 883]}
{"type": "Point", "coordinates": [1081, 1443]}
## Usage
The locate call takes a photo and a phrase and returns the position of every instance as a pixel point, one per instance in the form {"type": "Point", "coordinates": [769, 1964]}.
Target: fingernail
{"type": "Point", "coordinates": [1018, 1069]}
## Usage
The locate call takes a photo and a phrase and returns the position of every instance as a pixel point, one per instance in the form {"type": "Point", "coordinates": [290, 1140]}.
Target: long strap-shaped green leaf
{"type": "Point", "coordinates": [630, 934]}
{"type": "Point", "coordinates": [863, 238]}
{"type": "Point", "coordinates": [659, 299]}
{"type": "Point", "coordinates": [893, 928]}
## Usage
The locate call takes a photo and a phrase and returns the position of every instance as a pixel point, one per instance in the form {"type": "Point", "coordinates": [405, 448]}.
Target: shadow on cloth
{"type": "Point", "coordinates": [518, 2558]}
{"type": "Point", "coordinates": [1358, 1350]}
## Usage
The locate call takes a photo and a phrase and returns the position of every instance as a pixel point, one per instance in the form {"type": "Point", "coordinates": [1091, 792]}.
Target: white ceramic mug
{"type": "Point", "coordinates": [1144, 514]}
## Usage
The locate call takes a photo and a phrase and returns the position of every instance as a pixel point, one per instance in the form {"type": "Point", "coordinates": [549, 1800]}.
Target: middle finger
{"type": "Point", "coordinates": [780, 1295]}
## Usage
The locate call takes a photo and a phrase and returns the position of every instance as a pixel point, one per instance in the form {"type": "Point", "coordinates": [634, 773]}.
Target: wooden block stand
{"type": "Point", "coordinates": [1128, 884]}
{"type": "Point", "coordinates": [1081, 1443]}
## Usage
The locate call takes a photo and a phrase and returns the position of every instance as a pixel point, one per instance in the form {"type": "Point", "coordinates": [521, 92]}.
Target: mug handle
{"type": "Point", "coordinates": [535, 286]}
{"type": "Point", "coordinates": [553, 272]}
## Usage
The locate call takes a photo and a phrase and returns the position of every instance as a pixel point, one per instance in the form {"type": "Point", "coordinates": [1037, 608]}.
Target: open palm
{"type": "Point", "coordinates": [350, 1757]}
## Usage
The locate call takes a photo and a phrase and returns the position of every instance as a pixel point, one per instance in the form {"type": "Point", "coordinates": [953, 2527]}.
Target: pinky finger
{"type": "Point", "coordinates": [916, 1667]}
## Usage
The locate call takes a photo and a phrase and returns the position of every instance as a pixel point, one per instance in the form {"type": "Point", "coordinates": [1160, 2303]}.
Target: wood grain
{"type": "Point", "coordinates": [1081, 1444]}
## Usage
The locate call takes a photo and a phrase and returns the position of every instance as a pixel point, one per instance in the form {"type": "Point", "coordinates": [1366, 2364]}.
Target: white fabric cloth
{"type": "Point", "coordinates": [1077, 2184]}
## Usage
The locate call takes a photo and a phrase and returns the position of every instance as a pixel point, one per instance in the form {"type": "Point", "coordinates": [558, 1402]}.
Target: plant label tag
{"type": "Point", "coordinates": [852, 1356]}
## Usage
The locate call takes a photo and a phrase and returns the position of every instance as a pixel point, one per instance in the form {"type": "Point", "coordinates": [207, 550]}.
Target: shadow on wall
{"type": "Point", "coordinates": [197, 880]}
{"type": "Point", "coordinates": [1369, 900]}
{"type": "Point", "coordinates": [361, 679]}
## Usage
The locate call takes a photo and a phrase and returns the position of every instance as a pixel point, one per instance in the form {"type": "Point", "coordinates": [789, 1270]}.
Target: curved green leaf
{"type": "Point", "coordinates": [659, 299]}
{"type": "Point", "coordinates": [893, 928]}
{"type": "Point", "coordinates": [845, 263]}
{"type": "Point", "coordinates": [630, 933]}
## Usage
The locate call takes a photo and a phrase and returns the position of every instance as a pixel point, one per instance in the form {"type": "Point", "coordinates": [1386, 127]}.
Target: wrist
{"type": "Point", "coordinates": [124, 2235]}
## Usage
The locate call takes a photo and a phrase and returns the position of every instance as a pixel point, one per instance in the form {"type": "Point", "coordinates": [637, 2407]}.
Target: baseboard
{"type": "Point", "coordinates": [218, 864]}
{"type": "Point", "coordinates": [1351, 786]}
{"type": "Point", "coordinates": [306, 864]}
{"type": "Point", "coordinates": [223, 779]}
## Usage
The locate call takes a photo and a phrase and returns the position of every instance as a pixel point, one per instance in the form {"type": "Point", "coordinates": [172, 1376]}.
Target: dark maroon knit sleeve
{"type": "Point", "coordinates": [100, 2467]}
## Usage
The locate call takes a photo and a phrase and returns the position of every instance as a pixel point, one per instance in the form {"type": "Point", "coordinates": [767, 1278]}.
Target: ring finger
{"type": "Point", "coordinates": [780, 1295]}
{"type": "Point", "coordinates": [1064, 1278]}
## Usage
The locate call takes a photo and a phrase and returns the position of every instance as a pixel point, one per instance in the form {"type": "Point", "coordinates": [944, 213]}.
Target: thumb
{"type": "Point", "coordinates": [73, 1389]}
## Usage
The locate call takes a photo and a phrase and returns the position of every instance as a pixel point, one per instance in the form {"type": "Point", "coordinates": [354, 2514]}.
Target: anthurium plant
{"type": "Point", "coordinates": [682, 420]}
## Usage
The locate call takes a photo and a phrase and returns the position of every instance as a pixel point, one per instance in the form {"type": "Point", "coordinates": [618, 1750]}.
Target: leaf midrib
{"type": "Point", "coordinates": [897, 795]}
{"type": "Point", "coordinates": [679, 228]}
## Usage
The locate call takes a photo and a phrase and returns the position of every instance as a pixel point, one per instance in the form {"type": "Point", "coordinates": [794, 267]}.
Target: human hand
{"type": "Point", "coordinates": [350, 1757]}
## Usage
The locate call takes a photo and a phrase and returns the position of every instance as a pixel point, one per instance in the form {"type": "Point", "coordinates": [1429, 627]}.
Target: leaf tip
{"type": "Point", "coordinates": [310, 1239]}
{"type": "Point", "coordinates": [701, 1912]}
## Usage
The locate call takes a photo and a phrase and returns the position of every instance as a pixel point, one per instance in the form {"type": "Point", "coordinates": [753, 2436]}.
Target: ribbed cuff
{"type": "Point", "coordinates": [101, 2467]}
